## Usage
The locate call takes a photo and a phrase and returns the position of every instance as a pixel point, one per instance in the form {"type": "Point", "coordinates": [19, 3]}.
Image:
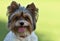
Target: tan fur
{"type": "Point", "coordinates": [21, 17]}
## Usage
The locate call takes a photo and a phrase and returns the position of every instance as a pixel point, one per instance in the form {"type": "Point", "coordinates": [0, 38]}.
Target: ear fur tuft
{"type": "Point", "coordinates": [13, 7]}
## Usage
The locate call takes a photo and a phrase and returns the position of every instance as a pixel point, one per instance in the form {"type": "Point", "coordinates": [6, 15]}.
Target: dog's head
{"type": "Point", "coordinates": [21, 20]}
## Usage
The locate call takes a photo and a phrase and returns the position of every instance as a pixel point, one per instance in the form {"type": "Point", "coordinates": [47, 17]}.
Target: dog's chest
{"type": "Point", "coordinates": [26, 39]}
{"type": "Point", "coordinates": [11, 37]}
{"type": "Point", "coordinates": [21, 40]}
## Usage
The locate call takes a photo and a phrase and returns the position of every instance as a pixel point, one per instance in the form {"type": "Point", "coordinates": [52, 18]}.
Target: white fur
{"type": "Point", "coordinates": [12, 37]}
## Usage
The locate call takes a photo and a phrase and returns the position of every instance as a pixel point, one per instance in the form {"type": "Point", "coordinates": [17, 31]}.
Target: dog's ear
{"type": "Point", "coordinates": [13, 7]}
{"type": "Point", "coordinates": [32, 8]}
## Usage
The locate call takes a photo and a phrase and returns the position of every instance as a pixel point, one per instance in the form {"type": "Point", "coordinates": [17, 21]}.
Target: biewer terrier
{"type": "Point", "coordinates": [21, 22]}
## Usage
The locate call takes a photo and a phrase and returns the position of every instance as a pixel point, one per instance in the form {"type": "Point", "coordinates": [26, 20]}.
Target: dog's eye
{"type": "Point", "coordinates": [26, 18]}
{"type": "Point", "coordinates": [16, 18]}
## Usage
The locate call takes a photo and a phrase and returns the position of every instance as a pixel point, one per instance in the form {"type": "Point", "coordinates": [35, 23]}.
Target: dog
{"type": "Point", "coordinates": [21, 22]}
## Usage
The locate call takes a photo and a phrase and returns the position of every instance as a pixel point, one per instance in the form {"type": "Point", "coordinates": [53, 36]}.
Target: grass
{"type": "Point", "coordinates": [48, 25]}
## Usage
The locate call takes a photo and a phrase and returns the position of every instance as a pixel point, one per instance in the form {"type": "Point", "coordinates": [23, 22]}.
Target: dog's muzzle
{"type": "Point", "coordinates": [22, 25]}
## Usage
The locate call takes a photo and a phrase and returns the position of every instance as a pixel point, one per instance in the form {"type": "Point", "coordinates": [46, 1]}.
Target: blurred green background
{"type": "Point", "coordinates": [48, 25]}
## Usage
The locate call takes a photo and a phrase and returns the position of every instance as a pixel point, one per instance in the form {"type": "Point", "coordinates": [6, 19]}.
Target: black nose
{"type": "Point", "coordinates": [21, 23]}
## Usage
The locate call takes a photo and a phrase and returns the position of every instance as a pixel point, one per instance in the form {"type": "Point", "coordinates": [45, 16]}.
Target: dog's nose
{"type": "Point", "coordinates": [21, 23]}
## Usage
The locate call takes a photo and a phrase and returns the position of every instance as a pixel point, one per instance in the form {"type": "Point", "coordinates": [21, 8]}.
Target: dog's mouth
{"type": "Point", "coordinates": [22, 28]}
{"type": "Point", "coordinates": [22, 31]}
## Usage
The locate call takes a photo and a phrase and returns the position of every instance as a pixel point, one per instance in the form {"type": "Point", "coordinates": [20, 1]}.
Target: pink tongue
{"type": "Point", "coordinates": [21, 29]}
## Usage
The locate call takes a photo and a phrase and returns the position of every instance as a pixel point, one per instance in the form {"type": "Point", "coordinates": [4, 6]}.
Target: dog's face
{"type": "Point", "coordinates": [22, 20]}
